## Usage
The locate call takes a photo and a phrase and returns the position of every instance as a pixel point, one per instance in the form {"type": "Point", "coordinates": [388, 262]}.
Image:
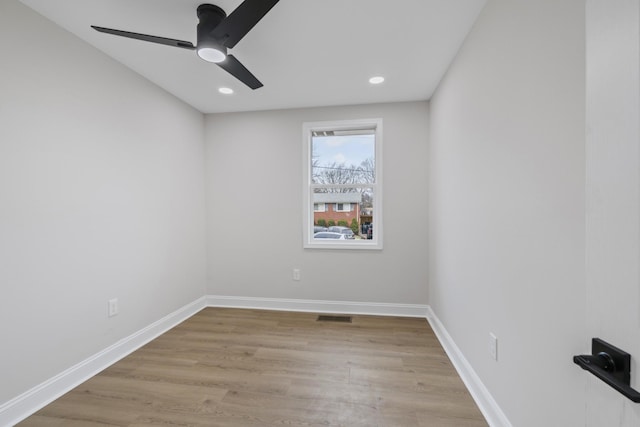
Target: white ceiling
{"type": "Point", "coordinates": [306, 52]}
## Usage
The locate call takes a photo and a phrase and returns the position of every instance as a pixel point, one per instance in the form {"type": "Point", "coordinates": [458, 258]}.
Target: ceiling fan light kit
{"type": "Point", "coordinates": [212, 53]}
{"type": "Point", "coordinates": [216, 33]}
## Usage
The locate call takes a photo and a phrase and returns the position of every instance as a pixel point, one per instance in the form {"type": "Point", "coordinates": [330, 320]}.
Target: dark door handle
{"type": "Point", "coordinates": [611, 365]}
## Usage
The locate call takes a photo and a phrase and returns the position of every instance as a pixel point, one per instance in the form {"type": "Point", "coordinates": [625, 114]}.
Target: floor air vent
{"type": "Point", "coordinates": [341, 319]}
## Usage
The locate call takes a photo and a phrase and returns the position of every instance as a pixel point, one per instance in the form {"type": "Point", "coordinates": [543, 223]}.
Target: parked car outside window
{"type": "Point", "coordinates": [348, 233]}
{"type": "Point", "coordinates": [329, 235]}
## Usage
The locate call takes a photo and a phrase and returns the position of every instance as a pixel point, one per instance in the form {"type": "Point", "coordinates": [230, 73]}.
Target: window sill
{"type": "Point", "coordinates": [366, 246]}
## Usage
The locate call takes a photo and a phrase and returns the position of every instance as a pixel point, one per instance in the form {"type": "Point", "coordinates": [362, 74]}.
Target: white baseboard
{"type": "Point", "coordinates": [20, 407]}
{"type": "Point", "coordinates": [488, 406]}
{"type": "Point", "coordinates": [319, 306]}
{"type": "Point", "coordinates": [29, 402]}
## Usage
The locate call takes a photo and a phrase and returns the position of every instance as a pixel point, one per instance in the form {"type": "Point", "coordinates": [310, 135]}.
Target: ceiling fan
{"type": "Point", "coordinates": [216, 33]}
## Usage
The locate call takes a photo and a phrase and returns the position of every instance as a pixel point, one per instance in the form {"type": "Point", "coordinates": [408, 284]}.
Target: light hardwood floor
{"type": "Point", "coordinates": [232, 367]}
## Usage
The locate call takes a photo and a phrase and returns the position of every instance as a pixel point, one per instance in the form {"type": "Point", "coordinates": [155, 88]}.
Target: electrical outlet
{"type": "Point", "coordinates": [493, 346]}
{"type": "Point", "coordinates": [112, 307]}
{"type": "Point", "coordinates": [296, 274]}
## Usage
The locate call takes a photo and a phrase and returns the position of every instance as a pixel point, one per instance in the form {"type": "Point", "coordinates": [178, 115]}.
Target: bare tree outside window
{"type": "Point", "coordinates": [343, 159]}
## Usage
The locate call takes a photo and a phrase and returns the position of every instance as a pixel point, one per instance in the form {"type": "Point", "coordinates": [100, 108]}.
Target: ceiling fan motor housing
{"type": "Point", "coordinates": [209, 17]}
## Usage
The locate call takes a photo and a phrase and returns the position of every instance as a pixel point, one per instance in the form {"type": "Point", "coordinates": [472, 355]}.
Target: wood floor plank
{"type": "Point", "coordinates": [177, 397]}
{"type": "Point", "coordinates": [329, 391]}
{"type": "Point", "coordinates": [210, 377]}
{"type": "Point", "coordinates": [232, 367]}
{"type": "Point", "coordinates": [282, 368]}
{"type": "Point", "coordinates": [329, 358]}
{"type": "Point", "coordinates": [50, 421]}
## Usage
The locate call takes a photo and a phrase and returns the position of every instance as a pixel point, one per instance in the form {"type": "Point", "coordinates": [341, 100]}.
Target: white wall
{"type": "Point", "coordinates": [254, 216]}
{"type": "Point", "coordinates": [506, 203]}
{"type": "Point", "coordinates": [101, 196]}
{"type": "Point", "coordinates": [613, 198]}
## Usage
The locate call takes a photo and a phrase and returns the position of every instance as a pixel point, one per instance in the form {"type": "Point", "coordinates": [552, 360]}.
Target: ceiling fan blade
{"type": "Point", "coordinates": [146, 38]}
{"type": "Point", "coordinates": [239, 71]}
{"type": "Point", "coordinates": [235, 26]}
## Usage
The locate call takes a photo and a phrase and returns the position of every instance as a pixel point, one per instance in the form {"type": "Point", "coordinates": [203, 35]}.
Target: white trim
{"type": "Point", "coordinates": [488, 406]}
{"type": "Point", "coordinates": [20, 407]}
{"type": "Point", "coordinates": [319, 306]}
{"type": "Point", "coordinates": [308, 242]}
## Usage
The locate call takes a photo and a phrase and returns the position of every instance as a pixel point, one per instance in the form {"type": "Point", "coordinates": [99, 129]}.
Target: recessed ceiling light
{"type": "Point", "coordinates": [225, 90]}
{"type": "Point", "coordinates": [376, 80]}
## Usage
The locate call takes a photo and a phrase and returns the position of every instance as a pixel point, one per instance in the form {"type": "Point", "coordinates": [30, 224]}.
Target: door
{"type": "Point", "coordinates": [613, 198]}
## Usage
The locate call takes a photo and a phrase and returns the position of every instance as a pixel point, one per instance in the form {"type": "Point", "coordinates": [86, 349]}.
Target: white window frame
{"type": "Point", "coordinates": [308, 186]}
{"type": "Point", "coordinates": [322, 207]}
{"type": "Point", "coordinates": [343, 207]}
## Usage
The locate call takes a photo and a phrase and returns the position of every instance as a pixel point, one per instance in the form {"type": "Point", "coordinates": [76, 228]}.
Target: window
{"type": "Point", "coordinates": [343, 184]}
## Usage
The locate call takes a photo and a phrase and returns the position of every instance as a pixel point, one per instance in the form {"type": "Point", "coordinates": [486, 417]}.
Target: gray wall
{"type": "Point", "coordinates": [101, 196]}
{"type": "Point", "coordinates": [507, 195]}
{"type": "Point", "coordinates": [254, 216]}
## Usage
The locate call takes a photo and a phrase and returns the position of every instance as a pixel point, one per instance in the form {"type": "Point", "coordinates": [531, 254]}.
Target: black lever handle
{"type": "Point", "coordinates": [611, 365]}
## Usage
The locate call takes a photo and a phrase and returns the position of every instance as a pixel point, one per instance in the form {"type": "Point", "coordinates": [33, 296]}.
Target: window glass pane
{"type": "Point", "coordinates": [367, 214]}
{"type": "Point", "coordinates": [350, 217]}
{"type": "Point", "coordinates": [342, 157]}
